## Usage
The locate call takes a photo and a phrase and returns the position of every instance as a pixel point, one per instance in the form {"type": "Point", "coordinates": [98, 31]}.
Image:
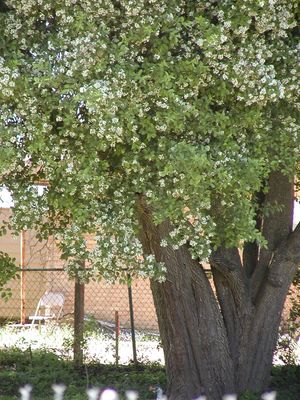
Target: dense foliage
{"type": "Point", "coordinates": [189, 103]}
{"type": "Point", "coordinates": [8, 271]}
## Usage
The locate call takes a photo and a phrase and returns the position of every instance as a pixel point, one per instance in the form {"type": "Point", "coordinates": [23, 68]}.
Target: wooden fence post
{"type": "Point", "coordinates": [23, 278]}
{"type": "Point", "coordinates": [132, 327]}
{"type": "Point", "coordinates": [78, 320]}
{"type": "Point", "coordinates": [117, 337]}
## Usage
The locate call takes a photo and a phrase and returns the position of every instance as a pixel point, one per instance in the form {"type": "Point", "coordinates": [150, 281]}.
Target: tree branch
{"type": "Point", "coordinates": [228, 263]}
{"type": "Point", "coordinates": [229, 314]}
{"type": "Point", "coordinates": [226, 258]}
{"type": "Point", "coordinates": [232, 288]}
{"type": "Point", "coordinates": [270, 301]}
{"type": "Point", "coordinates": [276, 226]}
{"type": "Point", "coordinates": [3, 7]}
{"type": "Point", "coordinates": [288, 252]}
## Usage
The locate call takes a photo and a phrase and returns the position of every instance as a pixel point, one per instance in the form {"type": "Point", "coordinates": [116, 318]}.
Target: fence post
{"type": "Point", "coordinates": [132, 323]}
{"type": "Point", "coordinates": [23, 278]}
{"type": "Point", "coordinates": [117, 328]}
{"type": "Point", "coordinates": [78, 320]}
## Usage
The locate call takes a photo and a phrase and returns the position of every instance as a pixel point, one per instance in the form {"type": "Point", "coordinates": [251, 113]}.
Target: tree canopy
{"type": "Point", "coordinates": [191, 104]}
{"type": "Point", "coordinates": [169, 129]}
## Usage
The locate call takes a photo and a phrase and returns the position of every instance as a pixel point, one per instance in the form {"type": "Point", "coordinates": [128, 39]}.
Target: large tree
{"type": "Point", "coordinates": [167, 128]}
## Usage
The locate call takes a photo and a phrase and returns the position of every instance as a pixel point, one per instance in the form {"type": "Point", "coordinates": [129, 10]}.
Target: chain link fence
{"type": "Point", "coordinates": [101, 302]}
{"type": "Point", "coordinates": [112, 333]}
{"type": "Point", "coordinates": [111, 308]}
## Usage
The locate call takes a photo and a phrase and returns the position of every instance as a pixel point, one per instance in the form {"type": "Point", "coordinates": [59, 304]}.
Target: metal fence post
{"type": "Point", "coordinates": [132, 324]}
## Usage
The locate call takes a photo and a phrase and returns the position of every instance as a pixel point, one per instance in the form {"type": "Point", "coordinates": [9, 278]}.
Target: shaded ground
{"type": "Point", "coordinates": [41, 369]}
{"type": "Point", "coordinates": [42, 357]}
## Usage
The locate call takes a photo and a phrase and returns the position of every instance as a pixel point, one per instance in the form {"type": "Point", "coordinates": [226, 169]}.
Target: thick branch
{"type": "Point", "coordinates": [270, 303]}
{"type": "Point", "coordinates": [288, 252]}
{"type": "Point", "coordinates": [229, 259]}
{"type": "Point", "coordinates": [3, 7]}
{"type": "Point", "coordinates": [232, 288]}
{"type": "Point", "coordinates": [276, 226]}
{"type": "Point", "coordinates": [281, 272]}
{"type": "Point", "coordinates": [228, 263]}
{"type": "Point", "coordinates": [228, 309]}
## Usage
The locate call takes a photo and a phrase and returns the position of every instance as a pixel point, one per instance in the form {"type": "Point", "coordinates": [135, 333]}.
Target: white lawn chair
{"type": "Point", "coordinates": [49, 307]}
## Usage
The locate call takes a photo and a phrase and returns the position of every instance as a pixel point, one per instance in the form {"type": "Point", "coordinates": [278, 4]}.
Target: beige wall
{"type": "Point", "coordinates": [34, 255]}
{"type": "Point", "coordinates": [103, 299]}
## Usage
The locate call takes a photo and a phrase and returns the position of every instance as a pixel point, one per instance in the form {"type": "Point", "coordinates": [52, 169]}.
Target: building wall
{"type": "Point", "coordinates": [34, 256]}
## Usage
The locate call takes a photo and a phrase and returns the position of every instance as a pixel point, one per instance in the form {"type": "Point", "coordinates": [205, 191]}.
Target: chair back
{"type": "Point", "coordinates": [52, 299]}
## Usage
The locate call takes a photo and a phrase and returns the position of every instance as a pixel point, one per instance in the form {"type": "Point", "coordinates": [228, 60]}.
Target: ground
{"type": "Point", "coordinates": [42, 357]}
{"type": "Point", "coordinates": [99, 345]}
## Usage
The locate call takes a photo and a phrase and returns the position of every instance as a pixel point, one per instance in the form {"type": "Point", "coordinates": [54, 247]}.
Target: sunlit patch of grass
{"type": "Point", "coordinates": [98, 344]}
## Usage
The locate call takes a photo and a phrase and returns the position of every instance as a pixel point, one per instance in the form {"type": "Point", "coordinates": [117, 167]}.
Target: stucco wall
{"type": "Point", "coordinates": [35, 254]}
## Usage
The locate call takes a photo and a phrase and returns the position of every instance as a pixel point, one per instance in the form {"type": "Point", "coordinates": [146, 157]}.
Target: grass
{"type": "Point", "coordinates": [43, 357]}
{"type": "Point", "coordinates": [41, 369]}
{"type": "Point", "coordinates": [99, 345]}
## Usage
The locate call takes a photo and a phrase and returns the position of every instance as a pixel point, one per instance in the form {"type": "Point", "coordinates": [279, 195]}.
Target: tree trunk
{"type": "Point", "coordinates": [202, 354]}
{"type": "Point", "coordinates": [221, 338]}
{"type": "Point", "coordinates": [191, 326]}
{"type": "Point", "coordinates": [193, 336]}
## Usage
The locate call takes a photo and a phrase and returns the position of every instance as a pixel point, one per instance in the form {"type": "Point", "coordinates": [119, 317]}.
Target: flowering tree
{"type": "Point", "coordinates": [168, 129]}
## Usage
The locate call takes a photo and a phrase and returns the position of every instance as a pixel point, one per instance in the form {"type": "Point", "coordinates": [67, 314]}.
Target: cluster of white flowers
{"type": "Point", "coordinates": [118, 254]}
{"type": "Point", "coordinates": [192, 235]}
{"type": "Point", "coordinates": [8, 76]}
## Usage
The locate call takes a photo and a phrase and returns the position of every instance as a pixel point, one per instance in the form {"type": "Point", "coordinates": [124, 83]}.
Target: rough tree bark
{"type": "Point", "coordinates": [223, 340]}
